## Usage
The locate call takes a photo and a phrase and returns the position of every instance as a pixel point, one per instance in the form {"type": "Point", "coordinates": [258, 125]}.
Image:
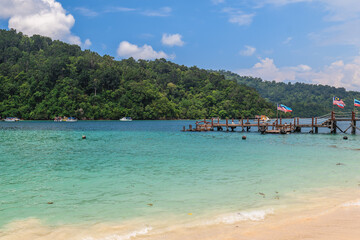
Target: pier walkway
{"type": "Point", "coordinates": [280, 125]}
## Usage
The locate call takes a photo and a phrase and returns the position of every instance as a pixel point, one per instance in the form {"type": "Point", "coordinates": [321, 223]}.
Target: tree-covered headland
{"type": "Point", "coordinates": [306, 100]}
{"type": "Point", "coordinates": [41, 78]}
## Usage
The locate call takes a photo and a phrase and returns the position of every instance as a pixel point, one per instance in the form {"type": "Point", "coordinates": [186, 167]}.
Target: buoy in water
{"type": "Point", "coordinates": [243, 137]}
{"type": "Point", "coordinates": [345, 137]}
{"type": "Point", "coordinates": [83, 137]}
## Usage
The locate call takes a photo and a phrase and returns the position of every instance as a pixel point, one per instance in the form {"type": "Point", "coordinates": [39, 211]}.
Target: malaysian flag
{"type": "Point", "coordinates": [338, 102]}
{"type": "Point", "coordinates": [356, 103]}
{"type": "Point", "coordinates": [283, 108]}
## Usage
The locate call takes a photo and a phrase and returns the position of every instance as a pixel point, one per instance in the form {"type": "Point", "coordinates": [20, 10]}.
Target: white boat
{"type": "Point", "coordinates": [11, 119]}
{"type": "Point", "coordinates": [126, 119]}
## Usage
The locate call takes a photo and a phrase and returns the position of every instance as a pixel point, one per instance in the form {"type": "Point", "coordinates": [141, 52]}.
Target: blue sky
{"type": "Point", "coordinates": [312, 41]}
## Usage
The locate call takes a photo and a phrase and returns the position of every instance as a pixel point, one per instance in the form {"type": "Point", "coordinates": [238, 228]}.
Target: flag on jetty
{"type": "Point", "coordinates": [283, 108]}
{"type": "Point", "coordinates": [356, 103]}
{"type": "Point", "coordinates": [338, 102]}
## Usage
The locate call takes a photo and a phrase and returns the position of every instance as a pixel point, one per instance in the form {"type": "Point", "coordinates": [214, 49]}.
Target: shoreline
{"type": "Point", "coordinates": [333, 218]}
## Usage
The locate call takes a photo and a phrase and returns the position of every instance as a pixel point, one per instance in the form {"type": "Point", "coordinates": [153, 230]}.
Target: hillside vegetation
{"type": "Point", "coordinates": [41, 79]}
{"type": "Point", "coordinates": [306, 100]}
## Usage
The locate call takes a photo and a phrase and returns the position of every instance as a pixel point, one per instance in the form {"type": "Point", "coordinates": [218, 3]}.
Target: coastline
{"type": "Point", "coordinates": [333, 218]}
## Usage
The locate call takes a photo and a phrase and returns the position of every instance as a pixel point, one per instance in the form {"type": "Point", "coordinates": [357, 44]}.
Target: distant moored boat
{"type": "Point", "coordinates": [126, 119]}
{"type": "Point", "coordinates": [11, 119]}
{"type": "Point", "coordinates": [65, 119]}
{"type": "Point", "coordinates": [71, 119]}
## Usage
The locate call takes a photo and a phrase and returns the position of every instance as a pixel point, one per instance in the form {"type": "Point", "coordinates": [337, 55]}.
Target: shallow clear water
{"type": "Point", "coordinates": [151, 170]}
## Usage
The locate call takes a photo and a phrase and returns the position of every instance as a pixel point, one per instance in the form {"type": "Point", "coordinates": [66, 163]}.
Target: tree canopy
{"type": "Point", "coordinates": [306, 100]}
{"type": "Point", "coordinates": [41, 78]}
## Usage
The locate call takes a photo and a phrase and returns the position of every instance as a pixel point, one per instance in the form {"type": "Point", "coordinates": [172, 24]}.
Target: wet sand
{"type": "Point", "coordinates": [340, 223]}
{"type": "Point", "coordinates": [322, 218]}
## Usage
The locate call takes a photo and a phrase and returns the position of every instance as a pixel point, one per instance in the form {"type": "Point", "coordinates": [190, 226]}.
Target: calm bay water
{"type": "Point", "coordinates": [150, 170]}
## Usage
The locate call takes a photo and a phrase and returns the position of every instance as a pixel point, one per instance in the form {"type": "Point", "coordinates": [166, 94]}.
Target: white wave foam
{"type": "Point", "coordinates": [351, 204]}
{"type": "Point", "coordinates": [256, 215]}
{"type": "Point", "coordinates": [123, 237]}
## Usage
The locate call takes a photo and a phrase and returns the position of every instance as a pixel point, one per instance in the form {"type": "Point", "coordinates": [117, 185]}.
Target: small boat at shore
{"type": "Point", "coordinates": [11, 119]}
{"type": "Point", "coordinates": [126, 119]}
{"type": "Point", "coordinates": [65, 119]}
{"type": "Point", "coordinates": [71, 119]}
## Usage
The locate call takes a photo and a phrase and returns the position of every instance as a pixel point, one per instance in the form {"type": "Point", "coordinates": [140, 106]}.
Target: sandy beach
{"type": "Point", "coordinates": [341, 222]}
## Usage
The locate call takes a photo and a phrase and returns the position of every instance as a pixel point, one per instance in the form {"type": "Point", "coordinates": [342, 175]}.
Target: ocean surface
{"type": "Point", "coordinates": [149, 173]}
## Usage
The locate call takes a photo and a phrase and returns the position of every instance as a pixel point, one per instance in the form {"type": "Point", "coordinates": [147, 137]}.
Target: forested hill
{"type": "Point", "coordinates": [41, 79]}
{"type": "Point", "coordinates": [306, 100]}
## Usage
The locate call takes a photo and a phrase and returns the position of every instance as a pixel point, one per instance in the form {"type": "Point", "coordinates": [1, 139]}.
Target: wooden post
{"type": "Point", "coordinates": [218, 120]}
{"type": "Point", "coordinates": [232, 121]}
{"type": "Point", "coordinates": [353, 121]}
{"type": "Point", "coordinates": [184, 129]}
{"type": "Point", "coordinates": [190, 127]}
{"type": "Point", "coordinates": [280, 120]}
{"type": "Point", "coordinates": [333, 122]}
{"type": "Point", "coordinates": [212, 124]}
{"type": "Point", "coordinates": [312, 125]}
{"type": "Point", "coordinates": [247, 128]}
{"type": "Point", "coordinates": [294, 122]}
{"type": "Point", "coordinates": [227, 124]}
{"type": "Point", "coordinates": [242, 124]}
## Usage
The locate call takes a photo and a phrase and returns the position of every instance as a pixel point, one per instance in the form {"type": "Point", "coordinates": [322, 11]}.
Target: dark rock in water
{"type": "Point", "coordinates": [338, 164]}
{"type": "Point", "coordinates": [150, 204]}
{"type": "Point", "coordinates": [345, 137]}
{"type": "Point", "coordinates": [243, 137]}
{"type": "Point", "coordinates": [262, 194]}
{"type": "Point", "coordinates": [50, 202]}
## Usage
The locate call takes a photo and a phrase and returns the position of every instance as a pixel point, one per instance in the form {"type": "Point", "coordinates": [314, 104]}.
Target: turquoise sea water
{"type": "Point", "coordinates": [150, 170]}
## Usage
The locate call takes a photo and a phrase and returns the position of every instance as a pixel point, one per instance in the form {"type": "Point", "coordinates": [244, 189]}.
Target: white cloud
{"type": "Point", "coordinates": [86, 12]}
{"type": "Point", "coordinates": [87, 44]}
{"type": "Point", "coordinates": [338, 73]}
{"type": "Point", "coordinates": [44, 17]}
{"type": "Point", "coordinates": [346, 33]}
{"type": "Point", "coordinates": [217, 1]}
{"type": "Point", "coordinates": [345, 15]}
{"type": "Point", "coordinates": [172, 40]}
{"type": "Point", "coordinates": [287, 40]}
{"type": "Point", "coordinates": [248, 51]}
{"type": "Point", "coordinates": [162, 12]}
{"type": "Point", "coordinates": [338, 10]}
{"type": "Point", "coordinates": [146, 52]}
{"type": "Point", "coordinates": [239, 17]}
{"type": "Point", "coordinates": [119, 9]}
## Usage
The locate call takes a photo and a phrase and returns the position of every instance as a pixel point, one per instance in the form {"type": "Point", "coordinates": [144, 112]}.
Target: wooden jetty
{"type": "Point", "coordinates": [279, 126]}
